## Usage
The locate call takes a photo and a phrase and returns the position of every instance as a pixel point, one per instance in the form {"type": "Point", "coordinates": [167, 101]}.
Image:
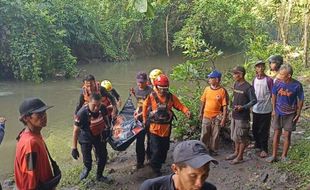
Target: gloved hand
{"type": "Point", "coordinates": [75, 153]}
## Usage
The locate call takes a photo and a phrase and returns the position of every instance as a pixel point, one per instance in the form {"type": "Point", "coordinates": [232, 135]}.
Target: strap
{"type": "Point", "coordinates": [49, 155]}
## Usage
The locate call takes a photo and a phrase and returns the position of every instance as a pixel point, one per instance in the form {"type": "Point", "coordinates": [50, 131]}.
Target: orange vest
{"type": "Point", "coordinates": [97, 125]}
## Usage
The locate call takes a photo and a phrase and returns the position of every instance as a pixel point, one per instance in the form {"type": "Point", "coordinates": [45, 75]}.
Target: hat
{"type": "Point", "coordinates": [141, 77]}
{"type": "Point", "coordinates": [192, 153]}
{"type": "Point", "coordinates": [259, 62]}
{"type": "Point", "coordinates": [215, 74]}
{"type": "Point", "coordinates": [239, 69]}
{"type": "Point", "coordinates": [32, 105]}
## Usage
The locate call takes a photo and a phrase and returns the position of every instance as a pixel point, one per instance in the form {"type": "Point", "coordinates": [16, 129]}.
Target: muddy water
{"type": "Point", "coordinates": [64, 94]}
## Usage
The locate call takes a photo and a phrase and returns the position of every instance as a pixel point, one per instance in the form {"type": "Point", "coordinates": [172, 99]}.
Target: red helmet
{"type": "Point", "coordinates": [162, 80]}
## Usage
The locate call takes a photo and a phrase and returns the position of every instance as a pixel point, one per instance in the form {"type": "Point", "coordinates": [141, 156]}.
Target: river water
{"type": "Point", "coordinates": [63, 95]}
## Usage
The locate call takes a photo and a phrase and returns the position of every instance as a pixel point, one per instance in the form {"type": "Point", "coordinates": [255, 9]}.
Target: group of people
{"type": "Point", "coordinates": [274, 94]}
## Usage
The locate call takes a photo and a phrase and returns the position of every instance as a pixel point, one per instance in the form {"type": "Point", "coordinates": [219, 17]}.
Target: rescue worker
{"type": "Point", "coordinates": [91, 86]}
{"type": "Point", "coordinates": [275, 62]}
{"type": "Point", "coordinates": [161, 102]}
{"type": "Point", "coordinates": [213, 112]}
{"type": "Point", "coordinates": [91, 127]}
{"type": "Point", "coordinates": [32, 168]}
{"type": "Point", "coordinates": [153, 75]}
{"type": "Point", "coordinates": [141, 91]}
{"type": "Point", "coordinates": [108, 86]}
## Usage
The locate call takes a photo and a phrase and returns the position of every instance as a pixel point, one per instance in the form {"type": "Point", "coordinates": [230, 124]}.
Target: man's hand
{"type": "Point", "coordinates": [222, 123]}
{"type": "Point", "coordinates": [75, 153]}
{"type": "Point", "coordinates": [238, 108]}
{"type": "Point", "coordinates": [273, 114]}
{"type": "Point", "coordinates": [296, 118]}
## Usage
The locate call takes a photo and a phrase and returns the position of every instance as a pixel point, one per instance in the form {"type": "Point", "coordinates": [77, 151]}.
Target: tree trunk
{"type": "Point", "coordinates": [306, 28]}
{"type": "Point", "coordinates": [284, 15]}
{"type": "Point", "coordinates": [167, 36]}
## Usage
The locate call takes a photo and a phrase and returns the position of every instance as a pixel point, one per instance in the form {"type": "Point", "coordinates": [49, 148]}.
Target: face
{"type": "Point", "coordinates": [162, 90]}
{"type": "Point", "coordinates": [259, 69]}
{"type": "Point", "coordinates": [284, 76]}
{"type": "Point", "coordinates": [214, 81]}
{"type": "Point", "coordinates": [90, 85]}
{"type": "Point", "coordinates": [237, 76]}
{"type": "Point", "coordinates": [94, 105]}
{"type": "Point", "coordinates": [141, 85]}
{"type": "Point", "coordinates": [190, 178]}
{"type": "Point", "coordinates": [273, 66]}
{"type": "Point", "coordinates": [38, 120]}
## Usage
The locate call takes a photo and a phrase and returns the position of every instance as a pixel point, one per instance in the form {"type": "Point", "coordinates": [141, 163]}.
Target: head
{"type": "Point", "coordinates": [191, 165]}
{"type": "Point", "coordinates": [214, 77]}
{"type": "Point", "coordinates": [238, 73]}
{"type": "Point", "coordinates": [33, 113]}
{"type": "Point", "coordinates": [89, 83]}
{"type": "Point", "coordinates": [285, 73]}
{"type": "Point", "coordinates": [141, 79]}
{"type": "Point", "coordinates": [94, 102]}
{"type": "Point", "coordinates": [107, 85]}
{"type": "Point", "coordinates": [260, 67]}
{"type": "Point", "coordinates": [275, 62]}
{"type": "Point", "coordinates": [154, 74]}
{"type": "Point", "coordinates": [161, 83]}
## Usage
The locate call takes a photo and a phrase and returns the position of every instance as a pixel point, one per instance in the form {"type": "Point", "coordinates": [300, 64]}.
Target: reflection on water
{"type": "Point", "coordinates": [64, 95]}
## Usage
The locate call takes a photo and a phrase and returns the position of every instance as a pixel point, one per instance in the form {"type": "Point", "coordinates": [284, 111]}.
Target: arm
{"type": "Point", "coordinates": [80, 103]}
{"type": "Point", "coordinates": [273, 102]}
{"type": "Point", "coordinates": [76, 131]}
{"type": "Point", "coordinates": [300, 103]}
{"type": "Point", "coordinates": [252, 97]}
{"type": "Point", "coordinates": [179, 106]}
{"type": "Point", "coordinates": [145, 106]}
{"type": "Point", "coordinates": [223, 121]}
{"type": "Point", "coordinates": [202, 107]}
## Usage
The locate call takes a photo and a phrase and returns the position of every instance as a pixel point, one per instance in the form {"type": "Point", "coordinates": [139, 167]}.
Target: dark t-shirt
{"type": "Point", "coordinates": [166, 183]}
{"type": "Point", "coordinates": [82, 120]}
{"type": "Point", "coordinates": [142, 94]}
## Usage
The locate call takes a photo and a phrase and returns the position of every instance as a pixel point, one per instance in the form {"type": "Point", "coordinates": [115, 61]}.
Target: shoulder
{"type": "Point", "coordinates": [156, 183]}
{"type": "Point", "coordinates": [208, 186]}
{"type": "Point", "coordinates": [29, 142]}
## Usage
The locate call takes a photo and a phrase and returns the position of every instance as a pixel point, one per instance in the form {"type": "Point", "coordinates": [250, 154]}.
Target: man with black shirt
{"type": "Point", "coordinates": [191, 166]}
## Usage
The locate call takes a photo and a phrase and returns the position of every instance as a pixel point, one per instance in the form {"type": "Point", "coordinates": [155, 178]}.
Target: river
{"type": "Point", "coordinates": [63, 95]}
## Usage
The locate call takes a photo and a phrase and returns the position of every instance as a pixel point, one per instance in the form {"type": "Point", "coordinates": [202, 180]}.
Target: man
{"type": "Point", "coordinates": [2, 127]}
{"type": "Point", "coordinates": [153, 75]}
{"type": "Point", "coordinates": [262, 109]}
{"type": "Point", "coordinates": [213, 112]}
{"type": "Point", "coordinates": [161, 102]}
{"type": "Point", "coordinates": [32, 168]}
{"type": "Point", "coordinates": [243, 99]}
{"type": "Point", "coordinates": [191, 166]}
{"type": "Point", "coordinates": [275, 62]}
{"type": "Point", "coordinates": [108, 86]}
{"type": "Point", "coordinates": [91, 130]}
{"type": "Point", "coordinates": [141, 91]}
{"type": "Point", "coordinates": [91, 86]}
{"type": "Point", "coordinates": [287, 103]}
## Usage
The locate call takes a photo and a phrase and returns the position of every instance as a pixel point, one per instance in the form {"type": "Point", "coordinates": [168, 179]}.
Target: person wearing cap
{"type": "Point", "coordinates": [108, 86]}
{"type": "Point", "coordinates": [287, 102]}
{"type": "Point", "coordinates": [157, 108]}
{"type": "Point", "coordinates": [243, 99]}
{"type": "Point", "coordinates": [191, 167]}
{"type": "Point", "coordinates": [90, 85]}
{"type": "Point", "coordinates": [140, 92]}
{"type": "Point", "coordinates": [213, 112]}
{"type": "Point", "coordinates": [91, 129]}
{"type": "Point", "coordinates": [32, 166]}
{"type": "Point", "coordinates": [275, 62]}
{"type": "Point", "coordinates": [262, 109]}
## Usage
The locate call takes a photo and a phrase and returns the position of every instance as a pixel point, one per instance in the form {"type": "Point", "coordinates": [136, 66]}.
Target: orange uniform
{"type": "Point", "coordinates": [31, 162]}
{"type": "Point", "coordinates": [214, 100]}
{"type": "Point", "coordinates": [162, 130]}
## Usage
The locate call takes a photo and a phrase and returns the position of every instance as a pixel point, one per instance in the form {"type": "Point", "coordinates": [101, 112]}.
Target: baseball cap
{"type": "Point", "coordinates": [32, 105]}
{"type": "Point", "coordinates": [192, 153]}
{"type": "Point", "coordinates": [141, 77]}
{"type": "Point", "coordinates": [239, 69]}
{"type": "Point", "coordinates": [215, 74]}
{"type": "Point", "coordinates": [259, 62]}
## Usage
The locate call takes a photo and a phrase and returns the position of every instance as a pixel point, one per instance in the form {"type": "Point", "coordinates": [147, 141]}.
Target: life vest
{"type": "Point", "coordinates": [105, 100]}
{"type": "Point", "coordinates": [163, 114]}
{"type": "Point", "coordinates": [97, 125]}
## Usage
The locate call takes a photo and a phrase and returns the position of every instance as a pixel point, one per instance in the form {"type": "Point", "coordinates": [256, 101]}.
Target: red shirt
{"type": "Point", "coordinates": [31, 162]}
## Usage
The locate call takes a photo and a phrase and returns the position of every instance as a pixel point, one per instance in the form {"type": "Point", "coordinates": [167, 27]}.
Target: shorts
{"type": "Point", "coordinates": [240, 131]}
{"type": "Point", "coordinates": [284, 122]}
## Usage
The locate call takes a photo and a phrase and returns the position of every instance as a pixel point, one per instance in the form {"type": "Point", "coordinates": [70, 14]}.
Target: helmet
{"type": "Point", "coordinates": [215, 74]}
{"type": "Point", "coordinates": [162, 80]}
{"type": "Point", "coordinates": [155, 73]}
{"type": "Point", "coordinates": [278, 59]}
{"type": "Point", "coordinates": [107, 85]}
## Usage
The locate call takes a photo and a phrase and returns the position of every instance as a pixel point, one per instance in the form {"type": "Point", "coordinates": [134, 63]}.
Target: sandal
{"type": "Point", "coordinates": [231, 157]}
{"type": "Point", "coordinates": [285, 159]}
{"type": "Point", "coordinates": [236, 161]}
{"type": "Point", "coordinates": [271, 159]}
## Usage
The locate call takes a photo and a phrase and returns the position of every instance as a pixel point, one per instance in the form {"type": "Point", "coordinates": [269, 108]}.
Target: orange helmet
{"type": "Point", "coordinates": [162, 80]}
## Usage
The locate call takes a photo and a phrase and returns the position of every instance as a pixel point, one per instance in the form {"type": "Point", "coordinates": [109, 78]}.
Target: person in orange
{"type": "Point", "coordinates": [213, 112]}
{"type": "Point", "coordinates": [32, 168]}
{"type": "Point", "coordinates": [161, 102]}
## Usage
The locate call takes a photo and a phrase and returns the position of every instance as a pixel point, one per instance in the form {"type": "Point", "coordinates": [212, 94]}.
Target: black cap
{"type": "Point", "coordinates": [141, 77]}
{"type": "Point", "coordinates": [32, 105]}
{"type": "Point", "coordinates": [239, 69]}
{"type": "Point", "coordinates": [192, 153]}
{"type": "Point", "coordinates": [259, 62]}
